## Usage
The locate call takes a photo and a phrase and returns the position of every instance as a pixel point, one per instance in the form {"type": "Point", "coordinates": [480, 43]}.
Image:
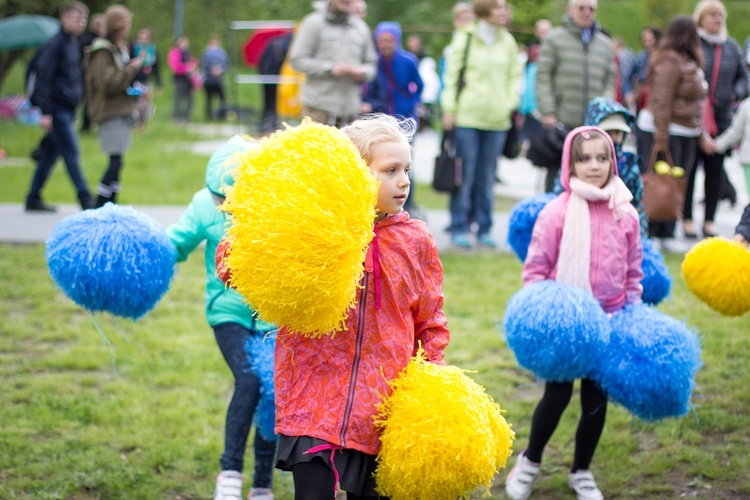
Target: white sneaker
{"type": "Point", "coordinates": [582, 482]}
{"type": "Point", "coordinates": [521, 478]}
{"type": "Point", "coordinates": [228, 485]}
{"type": "Point", "coordinates": [260, 494]}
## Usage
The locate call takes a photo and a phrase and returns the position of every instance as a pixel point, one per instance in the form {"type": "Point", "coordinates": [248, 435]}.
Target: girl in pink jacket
{"type": "Point", "coordinates": [588, 237]}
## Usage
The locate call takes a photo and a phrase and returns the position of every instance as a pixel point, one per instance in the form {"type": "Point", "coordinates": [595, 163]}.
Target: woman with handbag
{"type": "Point", "coordinates": [481, 92]}
{"type": "Point", "coordinates": [670, 124]}
{"type": "Point", "coordinates": [724, 69]}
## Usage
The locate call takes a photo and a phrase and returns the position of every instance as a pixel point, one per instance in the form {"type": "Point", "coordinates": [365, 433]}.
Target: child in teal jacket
{"type": "Point", "coordinates": [234, 325]}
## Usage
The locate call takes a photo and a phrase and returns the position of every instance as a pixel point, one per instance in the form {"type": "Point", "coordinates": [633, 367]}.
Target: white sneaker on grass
{"type": "Point", "coordinates": [260, 494]}
{"type": "Point", "coordinates": [521, 478]}
{"type": "Point", "coordinates": [228, 485]}
{"type": "Point", "coordinates": [582, 482]}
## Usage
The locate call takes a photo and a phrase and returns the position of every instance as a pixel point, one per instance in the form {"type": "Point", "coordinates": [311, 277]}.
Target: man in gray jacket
{"type": "Point", "coordinates": [335, 50]}
{"type": "Point", "coordinates": [575, 65]}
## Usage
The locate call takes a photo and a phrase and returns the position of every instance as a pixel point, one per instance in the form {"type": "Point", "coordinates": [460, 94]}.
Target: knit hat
{"type": "Point", "coordinates": [391, 27]}
{"type": "Point", "coordinates": [117, 18]}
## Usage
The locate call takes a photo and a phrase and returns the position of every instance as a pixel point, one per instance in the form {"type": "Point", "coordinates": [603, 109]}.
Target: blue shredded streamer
{"type": "Point", "coordinates": [113, 259]}
{"type": "Point", "coordinates": [556, 331]}
{"type": "Point", "coordinates": [651, 363]}
{"type": "Point", "coordinates": [656, 282]}
{"type": "Point", "coordinates": [522, 219]}
{"type": "Point", "coordinates": [260, 348]}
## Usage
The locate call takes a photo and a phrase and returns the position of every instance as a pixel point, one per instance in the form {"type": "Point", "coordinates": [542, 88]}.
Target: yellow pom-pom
{"type": "Point", "coordinates": [717, 271]}
{"type": "Point", "coordinates": [442, 435]}
{"type": "Point", "coordinates": [303, 209]}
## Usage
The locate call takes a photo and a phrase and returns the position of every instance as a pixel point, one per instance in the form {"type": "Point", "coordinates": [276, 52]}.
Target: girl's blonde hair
{"type": "Point", "coordinates": [374, 129]}
{"type": "Point", "coordinates": [576, 147]}
{"type": "Point", "coordinates": [706, 6]}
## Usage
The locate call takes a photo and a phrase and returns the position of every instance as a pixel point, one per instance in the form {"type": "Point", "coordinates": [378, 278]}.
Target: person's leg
{"type": "Point", "coordinates": [684, 151]}
{"type": "Point", "coordinates": [713, 167]}
{"type": "Point", "coordinates": [208, 89]}
{"type": "Point", "coordinates": [467, 148]}
{"type": "Point", "coordinates": [546, 417]}
{"type": "Point", "coordinates": [746, 168]}
{"type": "Point", "coordinates": [491, 143]}
{"type": "Point", "coordinates": [232, 339]}
{"type": "Point", "coordinates": [265, 453]}
{"type": "Point", "coordinates": [318, 116]}
{"type": "Point", "coordinates": [313, 480]}
{"type": "Point", "coordinates": [177, 100]}
{"type": "Point", "coordinates": [48, 157]}
{"type": "Point", "coordinates": [189, 103]}
{"type": "Point", "coordinates": [687, 210]}
{"type": "Point", "coordinates": [110, 184]}
{"type": "Point", "coordinates": [220, 112]}
{"type": "Point", "coordinates": [67, 143]}
{"type": "Point", "coordinates": [549, 179]}
{"type": "Point", "coordinates": [591, 424]}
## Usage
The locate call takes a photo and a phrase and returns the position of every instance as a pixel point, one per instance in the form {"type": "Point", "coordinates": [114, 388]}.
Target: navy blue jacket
{"type": "Point", "coordinates": [59, 79]}
{"type": "Point", "coordinates": [407, 88]}
{"type": "Point", "coordinates": [743, 227]}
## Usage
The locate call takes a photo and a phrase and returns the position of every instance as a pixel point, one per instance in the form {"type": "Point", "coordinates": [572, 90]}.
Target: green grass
{"type": "Point", "coordinates": [73, 429]}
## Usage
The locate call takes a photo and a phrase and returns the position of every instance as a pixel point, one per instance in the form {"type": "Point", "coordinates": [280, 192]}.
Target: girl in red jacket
{"type": "Point", "coordinates": [587, 237]}
{"type": "Point", "coordinates": [327, 388]}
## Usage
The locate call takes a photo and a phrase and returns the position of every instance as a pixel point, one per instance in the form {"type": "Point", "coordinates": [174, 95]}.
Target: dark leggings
{"type": "Point", "coordinates": [547, 416]}
{"type": "Point", "coordinates": [713, 167]}
{"type": "Point", "coordinates": [110, 183]}
{"type": "Point", "coordinates": [314, 480]}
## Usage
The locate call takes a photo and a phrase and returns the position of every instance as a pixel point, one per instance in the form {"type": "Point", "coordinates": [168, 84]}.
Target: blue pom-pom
{"type": "Point", "coordinates": [522, 220]}
{"type": "Point", "coordinates": [113, 259]}
{"type": "Point", "coordinates": [260, 348]}
{"type": "Point", "coordinates": [656, 282]}
{"type": "Point", "coordinates": [650, 364]}
{"type": "Point", "coordinates": [556, 331]}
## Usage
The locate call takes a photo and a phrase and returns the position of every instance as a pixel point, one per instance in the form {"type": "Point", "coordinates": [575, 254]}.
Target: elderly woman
{"type": "Point", "coordinates": [671, 121]}
{"type": "Point", "coordinates": [724, 70]}
{"type": "Point", "coordinates": [481, 91]}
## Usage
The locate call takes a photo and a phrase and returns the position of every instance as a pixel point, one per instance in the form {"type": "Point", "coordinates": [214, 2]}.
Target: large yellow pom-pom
{"type": "Point", "coordinates": [717, 271]}
{"type": "Point", "coordinates": [442, 435]}
{"type": "Point", "coordinates": [303, 209]}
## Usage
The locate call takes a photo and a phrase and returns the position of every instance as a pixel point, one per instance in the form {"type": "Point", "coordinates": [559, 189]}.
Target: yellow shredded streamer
{"type": "Point", "coordinates": [442, 436]}
{"type": "Point", "coordinates": [302, 212]}
{"type": "Point", "coordinates": [717, 271]}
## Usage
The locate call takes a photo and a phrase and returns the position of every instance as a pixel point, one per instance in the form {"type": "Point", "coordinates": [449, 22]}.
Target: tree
{"type": "Point", "coordinates": [659, 12]}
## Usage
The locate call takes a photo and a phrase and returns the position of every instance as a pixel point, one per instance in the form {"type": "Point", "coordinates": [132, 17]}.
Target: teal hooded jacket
{"type": "Point", "coordinates": [203, 221]}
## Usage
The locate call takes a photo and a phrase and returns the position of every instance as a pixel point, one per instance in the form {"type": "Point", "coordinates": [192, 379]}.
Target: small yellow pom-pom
{"type": "Point", "coordinates": [303, 209]}
{"type": "Point", "coordinates": [717, 271]}
{"type": "Point", "coordinates": [442, 435]}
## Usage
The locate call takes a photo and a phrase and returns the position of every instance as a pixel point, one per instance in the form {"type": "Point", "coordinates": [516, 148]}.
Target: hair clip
{"type": "Point", "coordinates": [586, 135]}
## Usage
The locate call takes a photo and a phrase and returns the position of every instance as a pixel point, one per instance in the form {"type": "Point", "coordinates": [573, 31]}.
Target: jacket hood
{"type": "Point", "coordinates": [220, 169]}
{"type": "Point", "coordinates": [391, 27]}
{"type": "Point", "coordinates": [565, 172]}
{"type": "Point", "coordinates": [601, 108]}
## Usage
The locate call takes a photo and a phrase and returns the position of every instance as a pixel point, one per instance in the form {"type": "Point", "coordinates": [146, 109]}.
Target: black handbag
{"type": "Point", "coordinates": [512, 146]}
{"type": "Point", "coordinates": [545, 149]}
{"type": "Point", "coordinates": [447, 176]}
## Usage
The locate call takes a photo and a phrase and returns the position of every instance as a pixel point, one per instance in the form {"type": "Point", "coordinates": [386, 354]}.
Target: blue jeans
{"type": "Point", "coordinates": [232, 339]}
{"type": "Point", "coordinates": [479, 151]}
{"type": "Point", "coordinates": [65, 143]}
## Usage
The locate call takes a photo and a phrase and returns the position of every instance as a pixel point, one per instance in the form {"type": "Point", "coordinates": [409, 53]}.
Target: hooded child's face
{"type": "Point", "coordinates": [594, 166]}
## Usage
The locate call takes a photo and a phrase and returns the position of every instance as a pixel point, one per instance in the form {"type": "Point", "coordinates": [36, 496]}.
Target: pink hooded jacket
{"type": "Point", "coordinates": [328, 387]}
{"type": "Point", "coordinates": [616, 251]}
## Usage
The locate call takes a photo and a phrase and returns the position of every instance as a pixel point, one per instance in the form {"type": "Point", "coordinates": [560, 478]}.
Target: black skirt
{"type": "Point", "coordinates": [355, 468]}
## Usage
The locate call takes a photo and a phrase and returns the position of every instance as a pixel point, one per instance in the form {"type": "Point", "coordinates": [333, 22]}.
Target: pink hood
{"type": "Point", "coordinates": [565, 172]}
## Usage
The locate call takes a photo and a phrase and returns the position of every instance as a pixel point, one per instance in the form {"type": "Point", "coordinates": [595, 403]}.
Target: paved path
{"type": "Point", "coordinates": [520, 180]}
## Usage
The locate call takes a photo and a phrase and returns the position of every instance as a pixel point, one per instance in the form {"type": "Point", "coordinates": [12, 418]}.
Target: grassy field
{"type": "Point", "coordinates": [72, 428]}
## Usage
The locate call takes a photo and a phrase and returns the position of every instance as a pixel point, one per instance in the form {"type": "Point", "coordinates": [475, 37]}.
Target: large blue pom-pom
{"type": "Point", "coordinates": [522, 220]}
{"type": "Point", "coordinates": [556, 331]}
{"type": "Point", "coordinates": [656, 282]}
{"type": "Point", "coordinates": [113, 259]}
{"type": "Point", "coordinates": [650, 364]}
{"type": "Point", "coordinates": [260, 347]}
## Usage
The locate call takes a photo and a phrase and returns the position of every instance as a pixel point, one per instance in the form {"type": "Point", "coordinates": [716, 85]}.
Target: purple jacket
{"type": "Point", "coordinates": [616, 251]}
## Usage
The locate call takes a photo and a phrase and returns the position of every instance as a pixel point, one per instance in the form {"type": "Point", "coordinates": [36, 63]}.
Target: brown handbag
{"type": "Point", "coordinates": [663, 194]}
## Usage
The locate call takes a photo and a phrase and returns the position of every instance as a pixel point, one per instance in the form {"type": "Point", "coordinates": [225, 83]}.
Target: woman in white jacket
{"type": "Point", "coordinates": [738, 132]}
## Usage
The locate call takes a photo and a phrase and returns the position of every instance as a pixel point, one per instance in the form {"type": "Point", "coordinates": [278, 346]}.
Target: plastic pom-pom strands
{"type": "Point", "coordinates": [556, 331]}
{"type": "Point", "coordinates": [651, 363]}
{"type": "Point", "coordinates": [656, 282]}
{"type": "Point", "coordinates": [442, 435]}
{"type": "Point", "coordinates": [113, 259]}
{"type": "Point", "coordinates": [303, 209]}
{"type": "Point", "coordinates": [717, 271]}
{"type": "Point", "coordinates": [260, 348]}
{"type": "Point", "coordinates": [522, 220]}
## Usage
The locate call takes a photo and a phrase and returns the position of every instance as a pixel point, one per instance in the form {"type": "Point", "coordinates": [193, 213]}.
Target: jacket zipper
{"type": "Point", "coordinates": [355, 365]}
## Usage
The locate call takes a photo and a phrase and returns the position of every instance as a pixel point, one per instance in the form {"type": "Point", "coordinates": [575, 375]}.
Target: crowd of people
{"type": "Point", "coordinates": [621, 113]}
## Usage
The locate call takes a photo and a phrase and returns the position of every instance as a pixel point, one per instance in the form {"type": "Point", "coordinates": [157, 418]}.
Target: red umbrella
{"type": "Point", "coordinates": [257, 42]}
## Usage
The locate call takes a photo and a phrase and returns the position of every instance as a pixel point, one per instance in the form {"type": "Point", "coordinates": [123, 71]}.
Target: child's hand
{"type": "Point", "coordinates": [741, 240]}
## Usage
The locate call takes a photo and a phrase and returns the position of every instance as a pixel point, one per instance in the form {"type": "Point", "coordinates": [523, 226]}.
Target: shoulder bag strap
{"type": "Point", "coordinates": [715, 73]}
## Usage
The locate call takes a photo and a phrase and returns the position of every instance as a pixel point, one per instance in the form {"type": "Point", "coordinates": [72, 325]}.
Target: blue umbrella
{"type": "Point", "coordinates": [26, 32]}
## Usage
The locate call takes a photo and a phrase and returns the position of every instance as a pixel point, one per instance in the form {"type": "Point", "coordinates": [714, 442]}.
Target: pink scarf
{"type": "Point", "coordinates": [574, 261]}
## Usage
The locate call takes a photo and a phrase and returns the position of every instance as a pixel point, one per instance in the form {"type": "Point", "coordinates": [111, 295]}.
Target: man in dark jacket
{"type": "Point", "coordinates": [57, 91]}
